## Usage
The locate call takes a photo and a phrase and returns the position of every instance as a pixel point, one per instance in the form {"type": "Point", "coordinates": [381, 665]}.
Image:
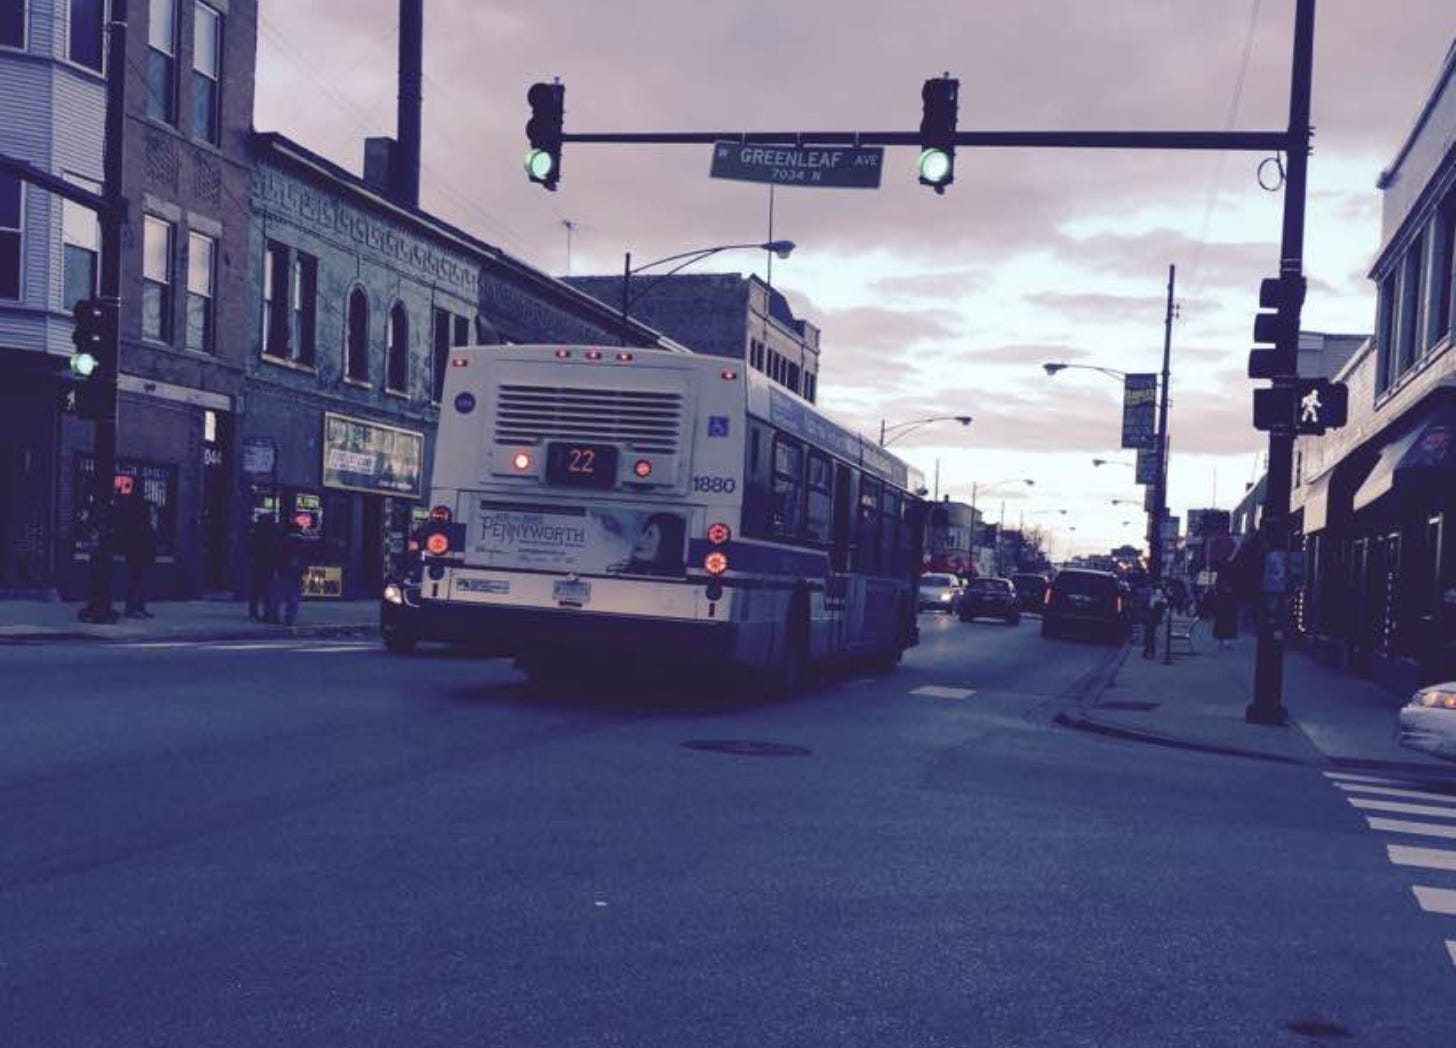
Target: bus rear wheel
{"type": "Point", "coordinates": [784, 681]}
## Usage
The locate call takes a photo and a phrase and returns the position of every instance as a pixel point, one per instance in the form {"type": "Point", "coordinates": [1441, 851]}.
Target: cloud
{"type": "Point", "coordinates": [951, 284]}
{"type": "Point", "coordinates": [1077, 308]}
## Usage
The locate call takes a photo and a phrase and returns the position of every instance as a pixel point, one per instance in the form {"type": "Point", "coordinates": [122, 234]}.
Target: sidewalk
{"type": "Point", "coordinates": [1198, 703]}
{"type": "Point", "coordinates": [36, 621]}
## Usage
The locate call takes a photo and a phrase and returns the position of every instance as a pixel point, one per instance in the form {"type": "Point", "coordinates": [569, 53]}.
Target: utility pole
{"type": "Point", "coordinates": [113, 214]}
{"type": "Point", "coordinates": [1268, 704]}
{"type": "Point", "coordinates": [1160, 477]}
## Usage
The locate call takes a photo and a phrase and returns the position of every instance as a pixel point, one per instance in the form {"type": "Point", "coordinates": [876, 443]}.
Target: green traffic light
{"type": "Point", "coordinates": [83, 364]}
{"type": "Point", "coordinates": [934, 166]}
{"type": "Point", "coordinates": [539, 164]}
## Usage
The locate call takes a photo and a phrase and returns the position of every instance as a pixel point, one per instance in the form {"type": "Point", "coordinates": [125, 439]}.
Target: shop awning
{"type": "Point", "coordinates": [1314, 499]}
{"type": "Point", "coordinates": [1425, 454]}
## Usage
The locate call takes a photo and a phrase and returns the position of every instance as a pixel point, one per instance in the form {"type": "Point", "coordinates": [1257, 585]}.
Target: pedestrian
{"type": "Point", "coordinates": [287, 584]}
{"type": "Point", "coordinates": [136, 539]}
{"type": "Point", "coordinates": [263, 552]}
{"type": "Point", "coordinates": [1225, 610]}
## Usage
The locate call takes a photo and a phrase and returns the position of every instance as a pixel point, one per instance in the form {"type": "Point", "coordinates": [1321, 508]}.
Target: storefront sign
{"type": "Point", "coordinates": [308, 514]}
{"type": "Point", "coordinates": [1139, 410]}
{"type": "Point", "coordinates": [325, 581]}
{"type": "Point", "coordinates": [260, 457]}
{"type": "Point", "coordinates": [592, 541]}
{"type": "Point", "coordinates": [367, 456]}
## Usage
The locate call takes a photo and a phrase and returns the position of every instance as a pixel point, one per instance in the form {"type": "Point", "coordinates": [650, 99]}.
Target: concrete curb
{"type": "Point", "coordinates": [1095, 726]}
{"type": "Point", "coordinates": [56, 636]}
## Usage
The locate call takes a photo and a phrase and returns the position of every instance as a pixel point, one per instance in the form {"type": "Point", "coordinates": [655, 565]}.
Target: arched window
{"type": "Point", "coordinates": [356, 341]}
{"type": "Point", "coordinates": [396, 369]}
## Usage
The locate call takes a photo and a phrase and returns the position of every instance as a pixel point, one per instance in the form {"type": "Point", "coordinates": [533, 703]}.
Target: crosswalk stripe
{"type": "Point", "coordinates": [1451, 949]}
{"type": "Point", "coordinates": [1386, 791]}
{"type": "Point", "coordinates": [1435, 900]}
{"type": "Point", "coordinates": [1348, 776]}
{"type": "Point", "coordinates": [937, 692]}
{"type": "Point", "coordinates": [1419, 829]}
{"type": "Point", "coordinates": [1403, 809]}
{"type": "Point", "coordinates": [1429, 858]}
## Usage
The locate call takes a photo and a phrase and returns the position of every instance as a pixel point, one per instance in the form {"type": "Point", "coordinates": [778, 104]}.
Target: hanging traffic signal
{"type": "Point", "coordinates": [543, 131]}
{"type": "Point", "coordinates": [940, 105]}
{"type": "Point", "coordinates": [1277, 327]}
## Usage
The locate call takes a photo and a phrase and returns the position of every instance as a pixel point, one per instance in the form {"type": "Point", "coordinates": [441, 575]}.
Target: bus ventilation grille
{"type": "Point", "coordinates": [648, 421]}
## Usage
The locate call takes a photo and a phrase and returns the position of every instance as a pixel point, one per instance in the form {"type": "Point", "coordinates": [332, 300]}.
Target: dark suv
{"type": "Point", "coordinates": [1030, 591]}
{"type": "Point", "coordinates": [1090, 601]}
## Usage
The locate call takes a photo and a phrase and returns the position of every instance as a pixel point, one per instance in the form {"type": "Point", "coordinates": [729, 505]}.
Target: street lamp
{"type": "Point", "coordinates": [1114, 462]}
{"type": "Point", "coordinates": [1113, 373]}
{"type": "Point", "coordinates": [901, 428]}
{"type": "Point", "coordinates": [976, 488]}
{"type": "Point", "coordinates": [781, 248]}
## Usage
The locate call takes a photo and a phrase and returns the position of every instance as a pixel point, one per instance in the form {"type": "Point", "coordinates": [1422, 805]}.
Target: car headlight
{"type": "Point", "coordinates": [945, 596]}
{"type": "Point", "coordinates": [1438, 698]}
{"type": "Point", "coordinates": [393, 594]}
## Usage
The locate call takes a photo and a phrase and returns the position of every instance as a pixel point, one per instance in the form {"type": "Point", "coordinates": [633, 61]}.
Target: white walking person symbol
{"type": "Point", "coordinates": [1309, 407]}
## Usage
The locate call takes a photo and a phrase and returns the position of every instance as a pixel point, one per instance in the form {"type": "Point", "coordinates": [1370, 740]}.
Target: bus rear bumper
{"type": "Point", "coordinates": [503, 630]}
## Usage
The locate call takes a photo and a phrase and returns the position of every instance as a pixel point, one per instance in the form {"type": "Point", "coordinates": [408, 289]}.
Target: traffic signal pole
{"type": "Point", "coordinates": [98, 608]}
{"type": "Point", "coordinates": [1160, 480]}
{"type": "Point", "coordinates": [1268, 705]}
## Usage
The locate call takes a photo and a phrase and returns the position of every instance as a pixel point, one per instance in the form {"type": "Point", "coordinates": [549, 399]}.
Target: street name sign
{"type": "Point", "coordinates": [819, 167]}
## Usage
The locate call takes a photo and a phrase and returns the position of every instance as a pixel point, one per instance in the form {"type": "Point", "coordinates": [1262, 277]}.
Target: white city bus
{"type": "Point", "coordinates": [650, 506]}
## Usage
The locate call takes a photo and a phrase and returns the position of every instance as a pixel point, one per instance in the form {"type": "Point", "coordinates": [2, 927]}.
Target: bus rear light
{"type": "Point", "coordinates": [437, 545]}
{"type": "Point", "coordinates": [1046, 598]}
{"type": "Point", "coordinates": [642, 468]}
{"type": "Point", "coordinates": [562, 354]}
{"type": "Point", "coordinates": [715, 563]}
{"type": "Point", "coordinates": [594, 354]}
{"type": "Point", "coordinates": [441, 515]}
{"type": "Point", "coordinates": [719, 533]}
{"type": "Point", "coordinates": [728, 375]}
{"type": "Point", "coordinates": [624, 358]}
{"type": "Point", "coordinates": [522, 461]}
{"type": "Point", "coordinates": [459, 362]}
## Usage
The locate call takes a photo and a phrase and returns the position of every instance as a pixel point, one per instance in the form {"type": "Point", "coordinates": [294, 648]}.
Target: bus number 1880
{"type": "Point", "coordinates": [715, 485]}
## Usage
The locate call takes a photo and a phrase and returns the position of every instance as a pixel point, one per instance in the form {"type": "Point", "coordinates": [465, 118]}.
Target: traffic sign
{"type": "Point", "coordinates": [1139, 410]}
{"type": "Point", "coordinates": [818, 167]}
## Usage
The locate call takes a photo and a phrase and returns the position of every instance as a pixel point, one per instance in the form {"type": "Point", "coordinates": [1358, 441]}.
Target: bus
{"type": "Point", "coordinates": [593, 503]}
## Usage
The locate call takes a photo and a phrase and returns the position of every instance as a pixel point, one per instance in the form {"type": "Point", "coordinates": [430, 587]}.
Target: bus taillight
{"type": "Point", "coordinates": [715, 563]}
{"type": "Point", "coordinates": [728, 374]}
{"type": "Point", "coordinates": [562, 354]}
{"type": "Point", "coordinates": [441, 515]}
{"type": "Point", "coordinates": [438, 544]}
{"type": "Point", "coordinates": [642, 468]}
{"type": "Point", "coordinates": [522, 461]}
{"type": "Point", "coordinates": [624, 358]}
{"type": "Point", "coordinates": [594, 354]}
{"type": "Point", "coordinates": [719, 533]}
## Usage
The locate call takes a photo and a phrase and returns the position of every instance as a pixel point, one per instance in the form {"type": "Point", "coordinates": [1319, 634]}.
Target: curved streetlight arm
{"type": "Point", "coordinates": [906, 427]}
{"type": "Point", "coordinates": [1113, 373]}
{"type": "Point", "coordinates": [781, 248]}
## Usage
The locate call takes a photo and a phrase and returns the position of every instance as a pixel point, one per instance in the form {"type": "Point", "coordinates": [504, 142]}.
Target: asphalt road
{"type": "Point", "coordinates": [309, 842]}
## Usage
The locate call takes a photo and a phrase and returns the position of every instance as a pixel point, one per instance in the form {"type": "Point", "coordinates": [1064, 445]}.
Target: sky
{"type": "Point", "coordinates": [928, 304]}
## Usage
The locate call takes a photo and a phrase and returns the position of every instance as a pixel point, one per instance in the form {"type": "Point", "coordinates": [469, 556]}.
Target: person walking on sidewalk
{"type": "Point", "coordinates": [1225, 611]}
{"type": "Point", "coordinates": [263, 552]}
{"type": "Point", "coordinates": [136, 539]}
{"type": "Point", "coordinates": [287, 585]}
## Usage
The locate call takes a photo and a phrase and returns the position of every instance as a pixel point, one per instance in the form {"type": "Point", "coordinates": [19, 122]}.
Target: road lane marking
{"type": "Point", "coordinates": [1403, 809]}
{"type": "Point", "coordinates": [1361, 778]}
{"type": "Point", "coordinates": [160, 644]}
{"type": "Point", "coordinates": [1435, 900]}
{"type": "Point", "coordinates": [1428, 858]}
{"type": "Point", "coordinates": [1451, 949]}
{"type": "Point", "coordinates": [935, 691]}
{"type": "Point", "coordinates": [335, 650]}
{"type": "Point", "coordinates": [1421, 829]}
{"type": "Point", "coordinates": [1386, 791]}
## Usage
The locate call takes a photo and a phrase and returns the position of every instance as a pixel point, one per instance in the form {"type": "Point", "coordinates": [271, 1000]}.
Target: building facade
{"type": "Point", "coordinates": [1378, 497]}
{"type": "Point", "coordinates": [725, 315]}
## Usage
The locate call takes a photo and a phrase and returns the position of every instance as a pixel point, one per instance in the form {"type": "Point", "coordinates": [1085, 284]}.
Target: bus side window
{"type": "Point", "coordinates": [912, 535]}
{"type": "Point", "coordinates": [868, 554]}
{"type": "Point", "coordinates": [788, 488]}
{"type": "Point", "coordinates": [756, 488]}
{"type": "Point", "coordinates": [820, 501]}
{"type": "Point", "coordinates": [839, 553]}
{"type": "Point", "coordinates": [889, 523]}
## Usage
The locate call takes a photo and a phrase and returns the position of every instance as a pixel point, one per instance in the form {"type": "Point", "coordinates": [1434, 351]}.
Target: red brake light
{"type": "Point", "coordinates": [728, 374]}
{"type": "Point", "coordinates": [437, 544]}
{"type": "Point", "coordinates": [594, 354]}
{"type": "Point", "coordinates": [642, 468]}
{"type": "Point", "coordinates": [441, 515]}
{"type": "Point", "coordinates": [522, 461]}
{"type": "Point", "coordinates": [715, 563]}
{"type": "Point", "coordinates": [459, 362]}
{"type": "Point", "coordinates": [624, 357]}
{"type": "Point", "coordinates": [562, 354]}
{"type": "Point", "coordinates": [719, 533]}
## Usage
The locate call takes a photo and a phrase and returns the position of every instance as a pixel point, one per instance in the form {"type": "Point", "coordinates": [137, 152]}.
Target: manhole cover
{"type": "Point", "coordinates": [1128, 704]}
{"type": "Point", "coordinates": [1317, 1028]}
{"type": "Point", "coordinates": [748, 747]}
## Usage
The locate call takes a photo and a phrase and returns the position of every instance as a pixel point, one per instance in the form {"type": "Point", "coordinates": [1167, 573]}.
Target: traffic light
{"type": "Point", "coordinates": [1309, 407]}
{"type": "Point", "coordinates": [90, 390]}
{"type": "Point", "coordinates": [1277, 327]}
{"type": "Point", "coordinates": [939, 98]}
{"type": "Point", "coordinates": [543, 131]}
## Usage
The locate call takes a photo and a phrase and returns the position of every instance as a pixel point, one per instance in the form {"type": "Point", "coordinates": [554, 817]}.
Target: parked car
{"type": "Point", "coordinates": [1030, 591]}
{"type": "Point", "coordinates": [939, 592]}
{"type": "Point", "coordinates": [1428, 721]}
{"type": "Point", "coordinates": [991, 599]}
{"type": "Point", "coordinates": [1081, 600]}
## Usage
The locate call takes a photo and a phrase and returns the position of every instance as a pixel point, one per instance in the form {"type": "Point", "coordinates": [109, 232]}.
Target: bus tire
{"type": "Point", "coordinates": [400, 643]}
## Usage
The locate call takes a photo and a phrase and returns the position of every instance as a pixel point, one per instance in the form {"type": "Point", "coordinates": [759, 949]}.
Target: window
{"type": "Point", "coordinates": [206, 72]}
{"type": "Point", "coordinates": [1410, 305]}
{"type": "Point", "coordinates": [12, 23]}
{"type": "Point", "coordinates": [889, 528]}
{"type": "Point", "coordinates": [462, 331]}
{"type": "Point", "coordinates": [162, 61]}
{"type": "Point", "coordinates": [10, 197]}
{"type": "Point", "coordinates": [791, 376]}
{"type": "Point", "coordinates": [788, 489]}
{"type": "Point", "coordinates": [275, 300]}
{"type": "Point", "coordinates": [440, 357]}
{"type": "Point", "coordinates": [1443, 272]}
{"type": "Point", "coordinates": [356, 341]}
{"type": "Point", "coordinates": [820, 502]}
{"type": "Point", "coordinates": [157, 279]}
{"type": "Point", "coordinates": [200, 292]}
{"type": "Point", "coordinates": [396, 367]}
{"type": "Point", "coordinates": [87, 33]}
{"type": "Point", "coordinates": [868, 557]}
{"type": "Point", "coordinates": [1385, 334]}
{"type": "Point", "coordinates": [80, 249]}
{"type": "Point", "coordinates": [811, 386]}
{"type": "Point", "coordinates": [303, 296]}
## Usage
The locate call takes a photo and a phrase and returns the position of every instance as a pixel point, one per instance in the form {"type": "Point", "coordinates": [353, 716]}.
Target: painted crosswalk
{"type": "Point", "coordinates": [1435, 811]}
{"type": "Point", "coordinates": [298, 646]}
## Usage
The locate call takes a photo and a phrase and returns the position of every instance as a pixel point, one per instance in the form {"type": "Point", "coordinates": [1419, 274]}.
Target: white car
{"type": "Point", "coordinates": [939, 592]}
{"type": "Point", "coordinates": [1428, 721]}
